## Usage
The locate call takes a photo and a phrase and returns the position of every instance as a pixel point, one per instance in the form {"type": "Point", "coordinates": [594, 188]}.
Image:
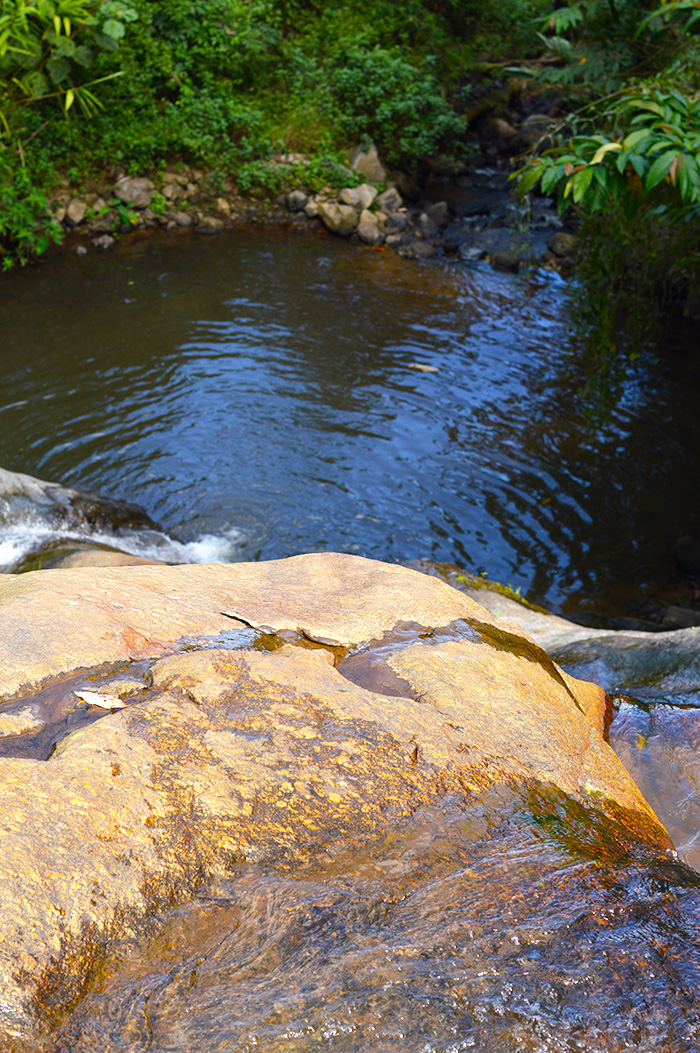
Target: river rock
{"type": "Point", "coordinates": [75, 211]}
{"type": "Point", "coordinates": [20, 721]}
{"type": "Point", "coordinates": [370, 233]}
{"type": "Point", "coordinates": [426, 227]}
{"type": "Point", "coordinates": [397, 222]}
{"type": "Point", "coordinates": [366, 163]}
{"type": "Point", "coordinates": [297, 200]}
{"type": "Point", "coordinates": [264, 738]}
{"type": "Point", "coordinates": [134, 192]}
{"type": "Point", "coordinates": [359, 197]}
{"type": "Point", "coordinates": [562, 244]}
{"type": "Point", "coordinates": [390, 200]}
{"type": "Point", "coordinates": [338, 219]}
{"type": "Point", "coordinates": [439, 213]}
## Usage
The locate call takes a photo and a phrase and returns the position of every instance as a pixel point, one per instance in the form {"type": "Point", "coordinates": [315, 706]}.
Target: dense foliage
{"type": "Point", "coordinates": [629, 162]}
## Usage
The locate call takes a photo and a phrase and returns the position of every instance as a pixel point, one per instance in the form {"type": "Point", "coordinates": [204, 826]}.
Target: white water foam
{"type": "Point", "coordinates": [24, 538]}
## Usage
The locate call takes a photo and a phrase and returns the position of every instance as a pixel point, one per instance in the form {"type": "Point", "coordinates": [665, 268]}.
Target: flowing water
{"type": "Point", "coordinates": [255, 394]}
{"type": "Point", "coordinates": [258, 396]}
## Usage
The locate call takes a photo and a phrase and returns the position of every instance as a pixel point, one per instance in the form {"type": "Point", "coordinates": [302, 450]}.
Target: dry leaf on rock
{"type": "Point", "coordinates": [103, 701]}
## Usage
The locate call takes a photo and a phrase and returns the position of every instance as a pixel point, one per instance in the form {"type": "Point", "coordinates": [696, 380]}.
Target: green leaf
{"type": "Point", "coordinates": [529, 178]}
{"type": "Point", "coordinates": [582, 181]}
{"type": "Point", "coordinates": [550, 178]}
{"type": "Point", "coordinates": [113, 28]}
{"type": "Point", "coordinates": [659, 169]}
{"type": "Point", "coordinates": [636, 137]}
{"type": "Point", "coordinates": [58, 69]}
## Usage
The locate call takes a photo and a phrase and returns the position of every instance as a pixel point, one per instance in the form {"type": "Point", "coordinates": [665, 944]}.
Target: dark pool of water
{"type": "Point", "coordinates": [257, 388]}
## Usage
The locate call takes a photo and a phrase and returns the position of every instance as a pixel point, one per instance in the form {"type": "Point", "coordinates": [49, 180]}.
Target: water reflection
{"type": "Point", "coordinates": [263, 382]}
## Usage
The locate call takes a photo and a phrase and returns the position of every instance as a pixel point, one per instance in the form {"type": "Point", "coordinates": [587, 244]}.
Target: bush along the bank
{"type": "Point", "coordinates": [630, 166]}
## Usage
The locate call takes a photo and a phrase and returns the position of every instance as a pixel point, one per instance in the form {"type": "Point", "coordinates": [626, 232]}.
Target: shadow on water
{"type": "Point", "coordinates": [504, 925]}
{"type": "Point", "coordinates": [261, 386]}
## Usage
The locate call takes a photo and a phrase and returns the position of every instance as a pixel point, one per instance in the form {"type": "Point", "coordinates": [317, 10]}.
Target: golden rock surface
{"type": "Point", "coordinates": [268, 752]}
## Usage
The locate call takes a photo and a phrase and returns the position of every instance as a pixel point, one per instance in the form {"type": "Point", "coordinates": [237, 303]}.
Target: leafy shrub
{"type": "Point", "coordinates": [400, 106]}
{"type": "Point", "coordinates": [25, 225]}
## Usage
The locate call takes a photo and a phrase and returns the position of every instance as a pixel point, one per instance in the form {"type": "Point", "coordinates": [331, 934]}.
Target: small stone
{"type": "Point", "coordinates": [311, 208]}
{"type": "Point", "coordinates": [338, 219]}
{"type": "Point", "coordinates": [105, 241]}
{"type": "Point", "coordinates": [370, 233]}
{"type": "Point", "coordinates": [562, 244]}
{"type": "Point", "coordinates": [393, 240]}
{"type": "Point", "coordinates": [297, 201]}
{"type": "Point", "coordinates": [21, 721]}
{"type": "Point", "coordinates": [471, 253]}
{"type": "Point", "coordinates": [76, 211]}
{"type": "Point", "coordinates": [80, 250]}
{"type": "Point", "coordinates": [210, 225]}
{"type": "Point", "coordinates": [136, 193]}
{"type": "Point", "coordinates": [425, 227]}
{"type": "Point", "coordinates": [369, 217]}
{"type": "Point", "coordinates": [182, 219]}
{"type": "Point", "coordinates": [390, 200]}
{"type": "Point", "coordinates": [172, 192]}
{"type": "Point", "coordinates": [367, 164]}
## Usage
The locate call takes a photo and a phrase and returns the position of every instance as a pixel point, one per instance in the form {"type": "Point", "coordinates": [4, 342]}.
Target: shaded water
{"type": "Point", "coordinates": [255, 391]}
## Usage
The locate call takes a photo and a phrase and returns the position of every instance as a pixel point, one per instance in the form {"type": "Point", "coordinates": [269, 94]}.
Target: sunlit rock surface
{"type": "Point", "coordinates": [286, 710]}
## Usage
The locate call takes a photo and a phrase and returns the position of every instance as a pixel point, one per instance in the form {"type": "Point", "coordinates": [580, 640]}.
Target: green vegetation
{"type": "Point", "coordinates": [630, 165]}
{"type": "Point", "coordinates": [226, 85]}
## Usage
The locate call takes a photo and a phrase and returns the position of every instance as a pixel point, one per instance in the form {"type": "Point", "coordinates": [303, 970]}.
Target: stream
{"type": "Point", "coordinates": [258, 395]}
{"type": "Point", "coordinates": [262, 395]}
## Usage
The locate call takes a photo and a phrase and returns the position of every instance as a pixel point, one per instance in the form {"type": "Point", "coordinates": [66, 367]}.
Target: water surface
{"type": "Point", "coordinates": [257, 388]}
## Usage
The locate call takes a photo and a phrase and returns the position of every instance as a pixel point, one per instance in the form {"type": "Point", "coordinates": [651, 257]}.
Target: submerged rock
{"type": "Point", "coordinates": [292, 705]}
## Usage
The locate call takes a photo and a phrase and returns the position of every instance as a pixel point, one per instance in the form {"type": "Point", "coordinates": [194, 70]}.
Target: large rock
{"type": "Point", "coordinates": [135, 192]}
{"type": "Point", "coordinates": [339, 219]}
{"type": "Point", "coordinates": [255, 735]}
{"type": "Point", "coordinates": [367, 164]}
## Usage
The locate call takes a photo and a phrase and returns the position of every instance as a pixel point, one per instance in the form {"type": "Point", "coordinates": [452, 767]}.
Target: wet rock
{"type": "Point", "coordinates": [472, 253]}
{"type": "Point", "coordinates": [20, 721]}
{"type": "Point", "coordinates": [210, 225]}
{"type": "Point", "coordinates": [61, 510]}
{"type": "Point", "coordinates": [134, 192]}
{"type": "Point", "coordinates": [80, 250]}
{"type": "Point", "coordinates": [237, 753]}
{"type": "Point", "coordinates": [297, 201]}
{"type": "Point", "coordinates": [311, 209]}
{"type": "Point", "coordinates": [397, 222]}
{"type": "Point", "coordinates": [562, 244]}
{"type": "Point", "coordinates": [105, 241]}
{"type": "Point", "coordinates": [358, 197]}
{"type": "Point", "coordinates": [418, 250]}
{"type": "Point", "coordinates": [75, 212]}
{"type": "Point", "coordinates": [390, 200]}
{"type": "Point", "coordinates": [679, 618]}
{"type": "Point", "coordinates": [182, 219]}
{"type": "Point", "coordinates": [366, 163]}
{"type": "Point", "coordinates": [505, 260]}
{"type": "Point", "coordinates": [439, 213]}
{"type": "Point", "coordinates": [393, 240]}
{"type": "Point", "coordinates": [370, 233]}
{"type": "Point", "coordinates": [338, 219]}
